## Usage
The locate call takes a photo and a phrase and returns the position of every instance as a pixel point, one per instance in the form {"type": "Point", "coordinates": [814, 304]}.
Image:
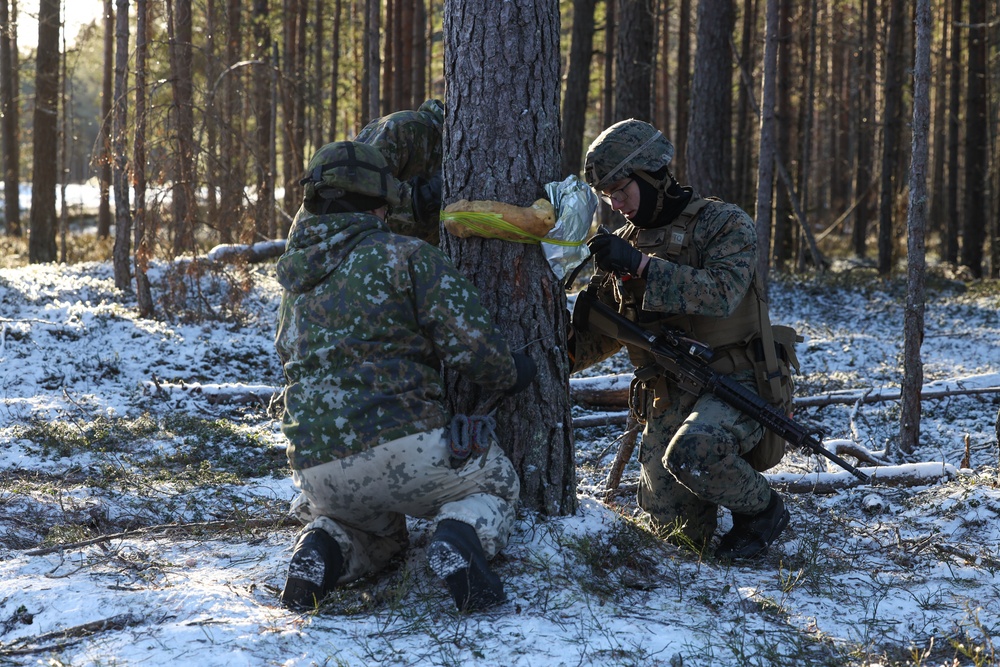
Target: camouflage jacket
{"type": "Point", "coordinates": [724, 239]}
{"type": "Point", "coordinates": [367, 318]}
{"type": "Point", "coordinates": [411, 143]}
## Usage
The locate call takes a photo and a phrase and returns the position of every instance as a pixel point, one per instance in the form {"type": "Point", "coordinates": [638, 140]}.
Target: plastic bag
{"type": "Point", "coordinates": [575, 204]}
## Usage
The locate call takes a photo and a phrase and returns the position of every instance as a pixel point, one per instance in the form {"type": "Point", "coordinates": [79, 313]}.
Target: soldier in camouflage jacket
{"type": "Point", "coordinates": [367, 319]}
{"type": "Point", "coordinates": [410, 141]}
{"type": "Point", "coordinates": [686, 263]}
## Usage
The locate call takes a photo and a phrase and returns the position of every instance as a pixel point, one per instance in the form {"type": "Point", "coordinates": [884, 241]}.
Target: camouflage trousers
{"type": "Point", "coordinates": [690, 458]}
{"type": "Point", "coordinates": [363, 500]}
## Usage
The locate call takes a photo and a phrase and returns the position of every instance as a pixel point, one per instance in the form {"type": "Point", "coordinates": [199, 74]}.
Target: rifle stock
{"type": "Point", "coordinates": [687, 361]}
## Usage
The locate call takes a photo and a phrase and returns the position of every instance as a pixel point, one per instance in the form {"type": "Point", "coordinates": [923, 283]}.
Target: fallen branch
{"type": "Point", "coordinates": [968, 557]}
{"type": "Point", "coordinates": [216, 394]}
{"type": "Point", "coordinates": [163, 528]}
{"type": "Point", "coordinates": [29, 645]}
{"type": "Point", "coordinates": [623, 456]}
{"type": "Point", "coordinates": [908, 475]}
{"type": "Point", "coordinates": [251, 254]}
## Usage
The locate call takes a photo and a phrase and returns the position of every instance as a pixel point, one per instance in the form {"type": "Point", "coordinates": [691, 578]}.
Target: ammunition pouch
{"type": "Point", "coordinates": [775, 385]}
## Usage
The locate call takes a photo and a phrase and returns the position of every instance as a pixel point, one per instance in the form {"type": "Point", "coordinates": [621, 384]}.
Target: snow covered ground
{"type": "Point", "coordinates": [174, 504]}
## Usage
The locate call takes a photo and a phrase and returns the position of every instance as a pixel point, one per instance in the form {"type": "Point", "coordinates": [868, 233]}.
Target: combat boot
{"type": "Point", "coordinates": [316, 565]}
{"type": "Point", "coordinates": [456, 555]}
{"type": "Point", "coordinates": [752, 534]}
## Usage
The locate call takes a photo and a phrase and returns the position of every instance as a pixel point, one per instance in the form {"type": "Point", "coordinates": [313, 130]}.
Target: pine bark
{"type": "Point", "coordinates": [913, 316]}
{"type": "Point", "coordinates": [891, 134]}
{"type": "Point", "coordinates": [574, 113]}
{"type": "Point", "coordinates": [634, 60]}
{"type": "Point", "coordinates": [104, 156]}
{"type": "Point", "coordinates": [119, 130]}
{"type": "Point", "coordinates": [977, 205]}
{"type": "Point", "coordinates": [42, 241]}
{"type": "Point", "coordinates": [765, 165]}
{"type": "Point", "coordinates": [143, 241]}
{"type": "Point", "coordinates": [9, 125]}
{"type": "Point", "coordinates": [709, 133]}
{"type": "Point", "coordinates": [502, 143]}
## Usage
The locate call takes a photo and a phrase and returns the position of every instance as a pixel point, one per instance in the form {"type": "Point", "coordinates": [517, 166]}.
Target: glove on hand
{"type": "Point", "coordinates": [613, 253]}
{"type": "Point", "coordinates": [426, 196]}
{"type": "Point", "coordinates": [526, 371]}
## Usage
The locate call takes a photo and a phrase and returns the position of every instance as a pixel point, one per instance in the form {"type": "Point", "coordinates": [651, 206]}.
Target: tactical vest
{"type": "Point", "coordinates": [673, 242]}
{"type": "Point", "coordinates": [742, 341]}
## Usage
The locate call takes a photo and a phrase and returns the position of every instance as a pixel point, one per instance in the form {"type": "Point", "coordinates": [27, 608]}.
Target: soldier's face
{"type": "Point", "coordinates": [623, 197]}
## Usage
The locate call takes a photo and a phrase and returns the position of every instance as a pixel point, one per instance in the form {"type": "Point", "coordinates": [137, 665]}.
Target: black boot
{"type": "Point", "coordinates": [316, 565]}
{"type": "Point", "coordinates": [456, 555]}
{"type": "Point", "coordinates": [752, 534]}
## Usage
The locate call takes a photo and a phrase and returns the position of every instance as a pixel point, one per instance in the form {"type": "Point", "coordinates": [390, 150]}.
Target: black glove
{"type": "Point", "coordinates": [426, 196]}
{"type": "Point", "coordinates": [526, 371]}
{"type": "Point", "coordinates": [613, 253]}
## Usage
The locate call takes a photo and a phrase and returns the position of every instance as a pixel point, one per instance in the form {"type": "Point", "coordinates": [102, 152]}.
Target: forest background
{"type": "Point", "coordinates": [223, 102]}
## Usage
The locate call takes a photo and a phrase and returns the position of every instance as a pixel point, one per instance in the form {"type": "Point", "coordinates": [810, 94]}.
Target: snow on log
{"type": "Point", "coordinates": [909, 474]}
{"type": "Point", "coordinates": [227, 393]}
{"type": "Point", "coordinates": [258, 252]}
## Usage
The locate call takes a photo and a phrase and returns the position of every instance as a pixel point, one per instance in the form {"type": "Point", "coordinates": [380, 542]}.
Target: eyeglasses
{"type": "Point", "coordinates": [617, 196]}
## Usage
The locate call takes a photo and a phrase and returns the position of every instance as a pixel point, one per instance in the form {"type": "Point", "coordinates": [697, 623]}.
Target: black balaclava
{"type": "Point", "coordinates": [674, 199]}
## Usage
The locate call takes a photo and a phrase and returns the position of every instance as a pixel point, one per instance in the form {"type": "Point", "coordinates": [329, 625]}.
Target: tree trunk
{"type": "Point", "coordinates": [765, 165]}
{"type": "Point", "coordinates": [334, 73]}
{"type": "Point", "coordinates": [263, 146]}
{"type": "Point", "coordinates": [420, 58]}
{"type": "Point", "coordinates": [939, 194]}
{"type": "Point", "coordinates": [119, 129]}
{"type": "Point", "coordinates": [683, 89]}
{"type": "Point", "coordinates": [574, 114]}
{"type": "Point", "coordinates": [891, 134]}
{"type": "Point", "coordinates": [913, 318]}
{"type": "Point", "coordinates": [744, 161]}
{"type": "Point", "coordinates": [515, 131]}
{"type": "Point", "coordinates": [182, 84]}
{"type": "Point", "coordinates": [608, 98]}
{"type": "Point", "coordinates": [709, 132]}
{"type": "Point", "coordinates": [977, 206]}
{"type": "Point", "coordinates": [785, 126]}
{"type": "Point", "coordinates": [104, 168]}
{"type": "Point", "coordinates": [866, 134]}
{"type": "Point", "coordinates": [143, 242]}
{"type": "Point", "coordinates": [42, 241]}
{"type": "Point", "coordinates": [954, 114]}
{"type": "Point", "coordinates": [372, 64]}
{"type": "Point", "coordinates": [9, 125]}
{"type": "Point", "coordinates": [634, 60]}
{"type": "Point", "coordinates": [233, 181]}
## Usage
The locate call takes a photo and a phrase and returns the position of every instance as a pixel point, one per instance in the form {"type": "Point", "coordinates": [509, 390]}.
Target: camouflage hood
{"type": "Point", "coordinates": [318, 244]}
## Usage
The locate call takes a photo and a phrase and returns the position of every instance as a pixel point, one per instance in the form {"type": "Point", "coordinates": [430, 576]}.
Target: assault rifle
{"type": "Point", "coordinates": [687, 361]}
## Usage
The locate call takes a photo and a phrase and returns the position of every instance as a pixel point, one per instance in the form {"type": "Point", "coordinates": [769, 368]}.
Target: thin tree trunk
{"type": "Point", "coordinates": [372, 58]}
{"type": "Point", "coordinates": [938, 195]}
{"type": "Point", "coordinates": [765, 168]}
{"type": "Point", "coordinates": [420, 42]}
{"type": "Point", "coordinates": [119, 129]}
{"type": "Point", "coordinates": [233, 174]}
{"type": "Point", "coordinates": [334, 73]}
{"type": "Point", "coordinates": [953, 218]}
{"type": "Point", "coordinates": [143, 242]}
{"type": "Point", "coordinates": [42, 240]}
{"type": "Point", "coordinates": [891, 134]}
{"type": "Point", "coordinates": [577, 85]}
{"type": "Point", "coordinates": [976, 143]}
{"type": "Point", "coordinates": [683, 89]}
{"type": "Point", "coordinates": [786, 140]}
{"type": "Point", "coordinates": [913, 319]}
{"type": "Point", "coordinates": [9, 122]}
{"type": "Point", "coordinates": [866, 135]}
{"type": "Point", "coordinates": [515, 130]}
{"type": "Point", "coordinates": [709, 131]}
{"type": "Point", "coordinates": [263, 144]}
{"type": "Point", "coordinates": [743, 174]}
{"type": "Point", "coordinates": [634, 60]}
{"type": "Point", "coordinates": [104, 159]}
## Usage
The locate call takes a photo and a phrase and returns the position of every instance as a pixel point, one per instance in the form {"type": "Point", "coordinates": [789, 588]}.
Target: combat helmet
{"type": "Point", "coordinates": [627, 147]}
{"type": "Point", "coordinates": [347, 167]}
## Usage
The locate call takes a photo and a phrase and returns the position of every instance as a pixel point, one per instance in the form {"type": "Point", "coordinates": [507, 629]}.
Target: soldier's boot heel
{"type": "Point", "coordinates": [456, 556]}
{"type": "Point", "coordinates": [753, 534]}
{"type": "Point", "coordinates": [316, 564]}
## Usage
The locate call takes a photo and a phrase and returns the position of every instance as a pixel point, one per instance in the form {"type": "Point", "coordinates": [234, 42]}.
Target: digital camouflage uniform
{"type": "Point", "coordinates": [411, 142]}
{"type": "Point", "coordinates": [367, 317]}
{"type": "Point", "coordinates": [694, 450]}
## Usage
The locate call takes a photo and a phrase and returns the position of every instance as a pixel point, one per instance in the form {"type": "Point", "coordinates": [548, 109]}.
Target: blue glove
{"type": "Point", "coordinates": [613, 253]}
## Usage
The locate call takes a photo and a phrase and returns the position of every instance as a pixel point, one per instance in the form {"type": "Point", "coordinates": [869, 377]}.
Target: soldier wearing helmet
{"type": "Point", "coordinates": [688, 263]}
{"type": "Point", "coordinates": [367, 319]}
{"type": "Point", "coordinates": [411, 143]}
